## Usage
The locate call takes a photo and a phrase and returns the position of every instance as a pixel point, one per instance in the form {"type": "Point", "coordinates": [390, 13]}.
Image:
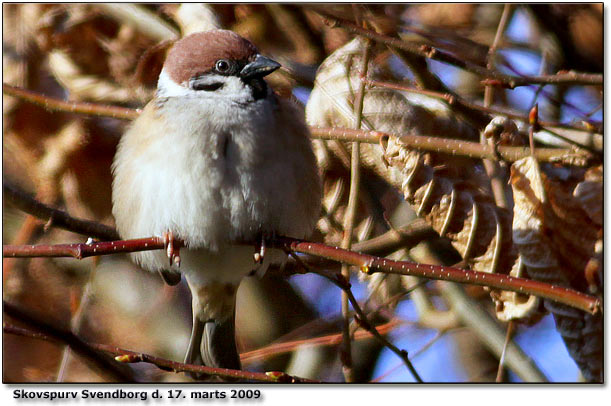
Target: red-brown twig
{"type": "Point", "coordinates": [455, 147]}
{"type": "Point", "coordinates": [83, 250]}
{"type": "Point", "coordinates": [454, 100]}
{"type": "Point", "coordinates": [367, 263]}
{"type": "Point", "coordinates": [494, 78]}
{"type": "Point", "coordinates": [55, 217]}
{"type": "Point", "coordinates": [350, 214]}
{"type": "Point", "coordinates": [94, 358]}
{"type": "Point", "coordinates": [498, 179]}
{"type": "Point", "coordinates": [363, 321]}
{"type": "Point", "coordinates": [328, 340]}
{"type": "Point", "coordinates": [371, 264]}
{"type": "Point", "coordinates": [54, 104]}
{"type": "Point", "coordinates": [127, 356]}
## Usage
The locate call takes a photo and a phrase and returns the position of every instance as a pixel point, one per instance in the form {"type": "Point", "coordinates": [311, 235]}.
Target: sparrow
{"type": "Point", "coordinates": [216, 159]}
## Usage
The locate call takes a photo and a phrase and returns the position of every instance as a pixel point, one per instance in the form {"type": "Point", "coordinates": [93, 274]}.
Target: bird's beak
{"type": "Point", "coordinates": [259, 68]}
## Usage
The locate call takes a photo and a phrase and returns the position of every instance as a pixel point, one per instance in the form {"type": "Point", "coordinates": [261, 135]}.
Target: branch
{"type": "Point", "coordinates": [96, 359]}
{"type": "Point", "coordinates": [404, 237]}
{"type": "Point", "coordinates": [340, 281]}
{"type": "Point", "coordinates": [498, 179]}
{"type": "Point", "coordinates": [328, 340]}
{"type": "Point", "coordinates": [53, 104]}
{"type": "Point", "coordinates": [55, 217]}
{"type": "Point", "coordinates": [161, 363]}
{"type": "Point", "coordinates": [493, 77]}
{"type": "Point", "coordinates": [104, 110]}
{"type": "Point", "coordinates": [83, 250]}
{"type": "Point", "coordinates": [371, 264]}
{"type": "Point", "coordinates": [350, 214]}
{"type": "Point", "coordinates": [467, 107]}
{"type": "Point", "coordinates": [450, 146]}
{"type": "Point", "coordinates": [127, 356]}
{"type": "Point", "coordinates": [367, 263]}
{"type": "Point", "coordinates": [455, 147]}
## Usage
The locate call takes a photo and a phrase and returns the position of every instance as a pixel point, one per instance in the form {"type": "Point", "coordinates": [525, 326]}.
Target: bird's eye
{"type": "Point", "coordinates": [223, 66]}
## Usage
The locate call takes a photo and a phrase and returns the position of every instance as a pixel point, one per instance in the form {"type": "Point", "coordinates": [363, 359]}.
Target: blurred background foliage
{"type": "Point", "coordinates": [112, 54]}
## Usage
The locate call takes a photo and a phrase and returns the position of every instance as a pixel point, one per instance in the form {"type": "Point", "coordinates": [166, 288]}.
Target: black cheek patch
{"type": "Point", "coordinates": [209, 87]}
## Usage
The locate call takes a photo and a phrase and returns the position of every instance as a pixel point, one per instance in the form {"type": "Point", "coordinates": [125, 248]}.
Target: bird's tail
{"type": "Point", "coordinates": [212, 340]}
{"type": "Point", "coordinates": [213, 344]}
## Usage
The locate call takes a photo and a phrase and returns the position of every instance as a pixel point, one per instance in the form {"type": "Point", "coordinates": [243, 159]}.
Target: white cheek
{"type": "Point", "coordinates": [166, 87]}
{"type": "Point", "coordinates": [233, 88]}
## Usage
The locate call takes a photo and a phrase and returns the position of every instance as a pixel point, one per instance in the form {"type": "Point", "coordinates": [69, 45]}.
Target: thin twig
{"type": "Point", "coordinates": [328, 340]}
{"type": "Point", "coordinates": [456, 147]}
{"type": "Point", "coordinates": [127, 356]}
{"type": "Point", "coordinates": [492, 77]}
{"type": "Point", "coordinates": [83, 250]}
{"type": "Point", "coordinates": [493, 169]}
{"type": "Point", "coordinates": [350, 215]}
{"type": "Point", "coordinates": [53, 104]}
{"type": "Point", "coordinates": [508, 336]}
{"type": "Point", "coordinates": [55, 217]}
{"type": "Point", "coordinates": [439, 335]}
{"type": "Point", "coordinates": [367, 263]}
{"type": "Point", "coordinates": [99, 361]}
{"type": "Point", "coordinates": [371, 264]}
{"type": "Point", "coordinates": [363, 321]}
{"type": "Point", "coordinates": [453, 100]}
{"type": "Point", "coordinates": [593, 150]}
{"type": "Point", "coordinates": [76, 321]}
{"type": "Point", "coordinates": [487, 330]}
{"type": "Point", "coordinates": [489, 91]}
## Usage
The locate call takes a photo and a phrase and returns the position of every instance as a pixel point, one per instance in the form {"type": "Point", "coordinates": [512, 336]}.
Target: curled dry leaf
{"type": "Point", "coordinates": [465, 213]}
{"type": "Point", "coordinates": [449, 192]}
{"type": "Point", "coordinates": [589, 194]}
{"type": "Point", "coordinates": [331, 104]}
{"type": "Point", "coordinates": [558, 238]}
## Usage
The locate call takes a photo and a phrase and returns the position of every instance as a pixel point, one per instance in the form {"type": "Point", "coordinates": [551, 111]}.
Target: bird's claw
{"type": "Point", "coordinates": [172, 247]}
{"type": "Point", "coordinates": [259, 255]}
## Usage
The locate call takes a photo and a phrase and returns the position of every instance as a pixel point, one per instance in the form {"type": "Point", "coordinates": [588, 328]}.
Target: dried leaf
{"type": "Point", "coordinates": [589, 193]}
{"type": "Point", "coordinates": [447, 191]}
{"type": "Point", "coordinates": [557, 241]}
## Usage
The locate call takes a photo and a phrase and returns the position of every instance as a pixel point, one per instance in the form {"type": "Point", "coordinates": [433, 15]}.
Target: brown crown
{"type": "Point", "coordinates": [197, 53]}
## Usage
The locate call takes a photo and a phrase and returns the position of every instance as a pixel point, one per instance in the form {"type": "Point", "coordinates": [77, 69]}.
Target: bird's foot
{"type": "Point", "coordinates": [172, 246]}
{"type": "Point", "coordinates": [259, 255]}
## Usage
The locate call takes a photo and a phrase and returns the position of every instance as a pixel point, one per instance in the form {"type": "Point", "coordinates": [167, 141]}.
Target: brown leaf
{"type": "Point", "coordinates": [558, 243]}
{"type": "Point", "coordinates": [450, 193]}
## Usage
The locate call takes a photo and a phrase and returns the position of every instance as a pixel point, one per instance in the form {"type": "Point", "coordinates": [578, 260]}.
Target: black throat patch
{"type": "Point", "coordinates": [259, 88]}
